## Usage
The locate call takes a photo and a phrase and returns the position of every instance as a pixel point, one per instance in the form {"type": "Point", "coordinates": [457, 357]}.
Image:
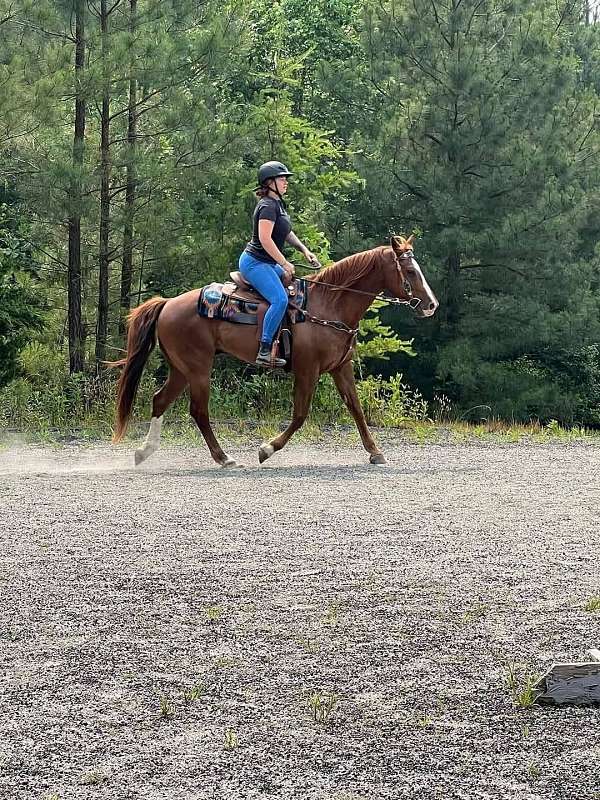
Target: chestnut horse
{"type": "Point", "coordinates": [339, 296]}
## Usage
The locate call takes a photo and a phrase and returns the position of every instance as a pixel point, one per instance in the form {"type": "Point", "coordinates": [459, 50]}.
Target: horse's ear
{"type": "Point", "coordinates": [400, 244]}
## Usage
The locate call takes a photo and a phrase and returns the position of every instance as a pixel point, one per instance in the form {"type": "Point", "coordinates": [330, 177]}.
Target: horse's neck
{"type": "Point", "coordinates": [348, 306]}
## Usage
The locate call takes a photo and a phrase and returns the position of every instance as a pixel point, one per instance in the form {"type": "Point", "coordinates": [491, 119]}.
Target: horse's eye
{"type": "Point", "coordinates": [410, 271]}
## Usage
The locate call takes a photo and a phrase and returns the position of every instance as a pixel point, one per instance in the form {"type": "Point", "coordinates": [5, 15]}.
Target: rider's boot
{"type": "Point", "coordinates": [264, 359]}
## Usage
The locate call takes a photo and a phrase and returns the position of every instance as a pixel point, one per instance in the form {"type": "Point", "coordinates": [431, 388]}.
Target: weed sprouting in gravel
{"type": "Point", "coordinates": [475, 613]}
{"type": "Point", "coordinates": [225, 662]}
{"type": "Point", "coordinates": [322, 705]}
{"type": "Point", "coordinates": [93, 778]}
{"type": "Point", "coordinates": [331, 617]}
{"type": "Point", "coordinates": [213, 613]}
{"type": "Point", "coordinates": [521, 685]}
{"type": "Point", "coordinates": [308, 644]}
{"type": "Point", "coordinates": [421, 434]}
{"type": "Point", "coordinates": [194, 693]}
{"type": "Point", "coordinates": [593, 604]}
{"type": "Point", "coordinates": [533, 771]}
{"type": "Point", "coordinates": [231, 739]}
{"type": "Point", "coordinates": [167, 709]}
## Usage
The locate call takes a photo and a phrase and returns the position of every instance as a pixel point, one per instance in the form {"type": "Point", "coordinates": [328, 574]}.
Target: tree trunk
{"type": "Point", "coordinates": [76, 336]}
{"type": "Point", "coordinates": [103, 257]}
{"type": "Point", "coordinates": [127, 267]}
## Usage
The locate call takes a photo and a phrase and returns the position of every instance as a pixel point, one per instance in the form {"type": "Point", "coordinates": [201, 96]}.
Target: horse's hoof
{"type": "Point", "coordinates": [139, 456]}
{"type": "Point", "coordinates": [229, 463]}
{"type": "Point", "coordinates": [265, 451]}
{"type": "Point", "coordinates": [377, 458]}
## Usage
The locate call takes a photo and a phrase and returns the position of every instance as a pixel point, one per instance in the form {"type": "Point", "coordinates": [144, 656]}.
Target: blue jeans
{"type": "Point", "coordinates": [265, 276]}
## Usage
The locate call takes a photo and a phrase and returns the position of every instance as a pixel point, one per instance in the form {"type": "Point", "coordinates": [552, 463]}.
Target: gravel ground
{"type": "Point", "coordinates": [163, 630]}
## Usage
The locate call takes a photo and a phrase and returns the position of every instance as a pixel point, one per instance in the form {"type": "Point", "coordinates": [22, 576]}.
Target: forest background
{"type": "Point", "coordinates": [130, 134]}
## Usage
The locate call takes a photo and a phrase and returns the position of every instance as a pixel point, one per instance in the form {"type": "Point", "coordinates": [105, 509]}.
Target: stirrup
{"type": "Point", "coordinates": [270, 362]}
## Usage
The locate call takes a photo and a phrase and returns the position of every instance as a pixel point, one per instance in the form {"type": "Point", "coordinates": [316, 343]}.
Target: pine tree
{"type": "Point", "coordinates": [20, 304]}
{"type": "Point", "coordinates": [482, 148]}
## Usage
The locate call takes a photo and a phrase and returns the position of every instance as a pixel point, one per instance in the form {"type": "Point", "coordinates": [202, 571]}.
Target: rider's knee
{"type": "Point", "coordinates": [280, 304]}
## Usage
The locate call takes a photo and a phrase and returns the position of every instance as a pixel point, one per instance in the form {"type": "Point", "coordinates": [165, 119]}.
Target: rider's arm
{"type": "Point", "coordinates": [292, 239]}
{"type": "Point", "coordinates": [265, 233]}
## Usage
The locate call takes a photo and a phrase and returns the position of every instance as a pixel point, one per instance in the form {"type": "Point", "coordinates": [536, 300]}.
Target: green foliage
{"type": "Point", "coordinates": [47, 398]}
{"type": "Point", "coordinates": [593, 605]}
{"type": "Point", "coordinates": [378, 341]}
{"type": "Point", "coordinates": [485, 137]}
{"type": "Point", "coordinates": [390, 403]}
{"type": "Point", "coordinates": [475, 127]}
{"type": "Point", "coordinates": [20, 305]}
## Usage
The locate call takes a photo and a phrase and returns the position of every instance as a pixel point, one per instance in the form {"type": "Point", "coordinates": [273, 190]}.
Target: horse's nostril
{"type": "Point", "coordinates": [431, 306]}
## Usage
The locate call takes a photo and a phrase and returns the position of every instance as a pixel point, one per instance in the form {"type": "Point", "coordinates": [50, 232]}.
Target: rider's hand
{"type": "Point", "coordinates": [289, 268]}
{"type": "Point", "coordinates": [312, 259]}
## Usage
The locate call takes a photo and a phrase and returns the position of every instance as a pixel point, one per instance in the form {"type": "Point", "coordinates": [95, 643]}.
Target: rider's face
{"type": "Point", "coordinates": [282, 184]}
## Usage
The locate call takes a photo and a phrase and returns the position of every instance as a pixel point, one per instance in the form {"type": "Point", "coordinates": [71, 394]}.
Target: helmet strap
{"type": "Point", "coordinates": [276, 190]}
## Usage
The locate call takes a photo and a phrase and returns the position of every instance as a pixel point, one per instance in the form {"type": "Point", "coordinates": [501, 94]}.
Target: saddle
{"type": "Point", "coordinates": [238, 302]}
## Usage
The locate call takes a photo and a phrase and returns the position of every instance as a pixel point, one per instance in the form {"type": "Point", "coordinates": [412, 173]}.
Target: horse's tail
{"type": "Point", "coordinates": [141, 340]}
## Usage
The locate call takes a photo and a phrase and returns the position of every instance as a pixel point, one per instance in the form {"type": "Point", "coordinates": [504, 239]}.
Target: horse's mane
{"type": "Point", "coordinates": [349, 270]}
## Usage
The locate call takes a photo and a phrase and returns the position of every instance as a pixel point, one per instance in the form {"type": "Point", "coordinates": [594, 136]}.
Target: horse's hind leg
{"type": "Point", "coordinates": [346, 386]}
{"type": "Point", "coordinates": [167, 394]}
{"type": "Point", "coordinates": [199, 395]}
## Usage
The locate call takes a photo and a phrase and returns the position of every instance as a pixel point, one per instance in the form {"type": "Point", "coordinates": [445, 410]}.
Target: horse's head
{"type": "Point", "coordinates": [404, 279]}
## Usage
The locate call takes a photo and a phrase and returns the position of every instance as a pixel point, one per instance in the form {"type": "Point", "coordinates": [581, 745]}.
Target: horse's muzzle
{"type": "Point", "coordinates": [426, 309]}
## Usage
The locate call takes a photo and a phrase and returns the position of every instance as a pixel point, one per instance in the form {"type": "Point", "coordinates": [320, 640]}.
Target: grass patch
{"type": "Point", "coordinates": [521, 685]}
{"type": "Point", "coordinates": [166, 707]}
{"type": "Point", "coordinates": [475, 613]}
{"type": "Point", "coordinates": [322, 706]}
{"type": "Point", "coordinates": [534, 771]}
{"type": "Point", "coordinates": [593, 605]}
{"type": "Point", "coordinates": [213, 613]}
{"type": "Point", "coordinates": [230, 739]}
{"type": "Point", "coordinates": [93, 778]}
{"type": "Point", "coordinates": [246, 406]}
{"type": "Point", "coordinates": [194, 693]}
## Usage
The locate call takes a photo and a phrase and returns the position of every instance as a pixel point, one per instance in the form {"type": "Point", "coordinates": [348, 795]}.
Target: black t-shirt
{"type": "Point", "coordinates": [272, 209]}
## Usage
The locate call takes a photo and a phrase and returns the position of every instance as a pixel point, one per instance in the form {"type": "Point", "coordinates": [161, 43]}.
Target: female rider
{"type": "Point", "coordinates": [263, 263]}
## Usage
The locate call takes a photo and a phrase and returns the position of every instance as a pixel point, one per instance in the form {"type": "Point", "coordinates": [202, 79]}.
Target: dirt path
{"type": "Point", "coordinates": [162, 631]}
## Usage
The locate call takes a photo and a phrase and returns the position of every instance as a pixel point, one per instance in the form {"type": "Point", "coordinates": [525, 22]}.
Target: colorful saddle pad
{"type": "Point", "coordinates": [228, 302]}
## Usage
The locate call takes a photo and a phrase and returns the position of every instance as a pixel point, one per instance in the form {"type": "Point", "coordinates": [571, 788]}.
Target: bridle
{"type": "Point", "coordinates": [412, 301]}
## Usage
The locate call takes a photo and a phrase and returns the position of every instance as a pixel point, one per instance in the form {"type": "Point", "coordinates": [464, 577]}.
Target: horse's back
{"type": "Point", "coordinates": [190, 341]}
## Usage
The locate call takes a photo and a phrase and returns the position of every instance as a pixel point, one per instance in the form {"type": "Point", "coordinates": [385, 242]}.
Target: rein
{"type": "Point", "coordinates": [414, 302]}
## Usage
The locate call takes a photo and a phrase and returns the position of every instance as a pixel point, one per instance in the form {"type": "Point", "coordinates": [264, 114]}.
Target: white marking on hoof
{"type": "Point", "coordinates": [265, 451]}
{"type": "Point", "coordinates": [152, 442]}
{"type": "Point", "coordinates": [229, 462]}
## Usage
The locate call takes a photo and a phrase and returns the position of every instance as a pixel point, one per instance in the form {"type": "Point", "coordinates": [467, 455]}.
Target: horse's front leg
{"type": "Point", "coordinates": [346, 386]}
{"type": "Point", "coordinates": [304, 388]}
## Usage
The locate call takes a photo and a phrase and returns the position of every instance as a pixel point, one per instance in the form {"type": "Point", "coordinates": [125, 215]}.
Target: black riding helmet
{"type": "Point", "coordinates": [272, 169]}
